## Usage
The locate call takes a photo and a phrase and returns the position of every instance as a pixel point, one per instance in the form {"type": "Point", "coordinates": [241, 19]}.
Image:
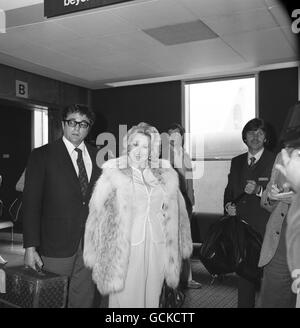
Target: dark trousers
{"type": "Point", "coordinates": [81, 289]}
{"type": "Point", "coordinates": [276, 290]}
{"type": "Point", "coordinates": [185, 273]}
{"type": "Point", "coordinates": [246, 293]}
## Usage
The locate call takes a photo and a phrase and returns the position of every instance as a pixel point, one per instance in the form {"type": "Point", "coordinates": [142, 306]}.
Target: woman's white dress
{"type": "Point", "coordinates": [145, 274]}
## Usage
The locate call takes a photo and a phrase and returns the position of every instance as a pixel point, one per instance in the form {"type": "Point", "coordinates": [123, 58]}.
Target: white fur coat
{"type": "Point", "coordinates": [107, 240]}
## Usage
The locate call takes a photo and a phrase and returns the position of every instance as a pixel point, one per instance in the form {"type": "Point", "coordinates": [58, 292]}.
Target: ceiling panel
{"type": "Point", "coordinates": [137, 40]}
{"type": "Point", "coordinates": [59, 62]}
{"type": "Point", "coordinates": [96, 23]}
{"type": "Point", "coordinates": [40, 55]}
{"type": "Point", "coordinates": [86, 49]}
{"type": "Point", "coordinates": [84, 71]}
{"type": "Point", "coordinates": [44, 33]}
{"type": "Point", "coordinates": [142, 48]}
{"type": "Point", "coordinates": [155, 13]}
{"type": "Point", "coordinates": [292, 38]}
{"type": "Point", "coordinates": [245, 21]}
{"type": "Point", "coordinates": [44, 71]}
{"type": "Point", "coordinates": [280, 16]}
{"type": "Point", "coordinates": [262, 47]}
{"type": "Point", "coordinates": [182, 33]}
{"type": "Point", "coordinates": [200, 55]}
{"type": "Point", "coordinates": [132, 45]}
{"type": "Point", "coordinates": [121, 67]}
{"type": "Point", "coordinates": [9, 43]}
{"type": "Point", "coordinates": [205, 8]}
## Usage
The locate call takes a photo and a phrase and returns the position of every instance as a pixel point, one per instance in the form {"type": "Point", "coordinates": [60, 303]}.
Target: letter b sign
{"type": "Point", "coordinates": [21, 89]}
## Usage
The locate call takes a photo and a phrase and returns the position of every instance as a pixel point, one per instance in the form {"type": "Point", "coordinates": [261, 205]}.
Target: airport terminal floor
{"type": "Point", "coordinates": [220, 293]}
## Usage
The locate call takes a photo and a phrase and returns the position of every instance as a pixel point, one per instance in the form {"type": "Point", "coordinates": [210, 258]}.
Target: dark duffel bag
{"type": "Point", "coordinates": [221, 251]}
{"type": "Point", "coordinates": [248, 267]}
{"type": "Point", "coordinates": [232, 245]}
{"type": "Point", "coordinates": [26, 288]}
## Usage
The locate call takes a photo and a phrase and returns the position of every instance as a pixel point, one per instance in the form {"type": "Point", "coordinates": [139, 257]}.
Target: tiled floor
{"type": "Point", "coordinates": [220, 294]}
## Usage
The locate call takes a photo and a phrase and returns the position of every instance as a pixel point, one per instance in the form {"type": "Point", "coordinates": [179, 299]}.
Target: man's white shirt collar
{"type": "Point", "coordinates": [74, 156]}
{"type": "Point", "coordinates": [257, 156]}
{"type": "Point", "coordinates": [71, 147]}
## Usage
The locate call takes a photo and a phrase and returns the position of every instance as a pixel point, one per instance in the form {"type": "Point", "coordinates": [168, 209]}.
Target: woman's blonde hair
{"type": "Point", "coordinates": [151, 132]}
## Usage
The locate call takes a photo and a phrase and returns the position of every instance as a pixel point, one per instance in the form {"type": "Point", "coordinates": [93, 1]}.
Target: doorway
{"type": "Point", "coordinates": [15, 147]}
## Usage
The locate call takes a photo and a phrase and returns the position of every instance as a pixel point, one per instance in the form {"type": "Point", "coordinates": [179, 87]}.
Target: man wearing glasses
{"type": "Point", "coordinates": [58, 183]}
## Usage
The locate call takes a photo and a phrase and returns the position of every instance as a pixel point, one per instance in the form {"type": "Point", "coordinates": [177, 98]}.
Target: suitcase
{"type": "Point", "coordinates": [27, 288]}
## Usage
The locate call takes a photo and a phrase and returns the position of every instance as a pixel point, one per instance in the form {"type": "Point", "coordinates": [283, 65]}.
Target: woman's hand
{"type": "Point", "coordinates": [281, 194]}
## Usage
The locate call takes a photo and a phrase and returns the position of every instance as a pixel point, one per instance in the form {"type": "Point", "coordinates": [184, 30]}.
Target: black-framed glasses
{"type": "Point", "coordinates": [82, 124]}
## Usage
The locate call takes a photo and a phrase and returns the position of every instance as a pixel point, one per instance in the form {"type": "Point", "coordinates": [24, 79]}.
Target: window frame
{"type": "Point", "coordinates": [186, 109]}
{"type": "Point", "coordinates": [44, 125]}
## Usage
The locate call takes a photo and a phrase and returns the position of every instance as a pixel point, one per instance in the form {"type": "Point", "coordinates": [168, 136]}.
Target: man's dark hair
{"type": "Point", "coordinates": [253, 125]}
{"type": "Point", "coordinates": [177, 126]}
{"type": "Point", "coordinates": [81, 109]}
{"type": "Point", "coordinates": [180, 128]}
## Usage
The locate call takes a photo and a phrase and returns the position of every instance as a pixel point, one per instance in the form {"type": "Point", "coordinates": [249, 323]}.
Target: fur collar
{"type": "Point", "coordinates": [120, 171]}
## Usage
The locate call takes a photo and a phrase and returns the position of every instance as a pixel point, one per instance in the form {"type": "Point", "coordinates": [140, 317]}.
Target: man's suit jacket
{"type": "Point", "coordinates": [54, 210]}
{"type": "Point", "coordinates": [278, 210]}
{"type": "Point", "coordinates": [249, 208]}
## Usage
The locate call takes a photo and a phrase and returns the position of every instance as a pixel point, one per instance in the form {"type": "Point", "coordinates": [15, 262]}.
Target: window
{"type": "Point", "coordinates": [215, 114]}
{"type": "Point", "coordinates": [218, 111]}
{"type": "Point", "coordinates": [40, 127]}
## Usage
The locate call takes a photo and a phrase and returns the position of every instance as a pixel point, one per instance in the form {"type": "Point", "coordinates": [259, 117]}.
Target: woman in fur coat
{"type": "Point", "coordinates": [138, 229]}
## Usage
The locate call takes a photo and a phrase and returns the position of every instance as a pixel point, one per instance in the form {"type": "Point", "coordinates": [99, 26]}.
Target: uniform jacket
{"type": "Point", "coordinates": [54, 210]}
{"type": "Point", "coordinates": [278, 210]}
{"type": "Point", "coordinates": [108, 228]}
{"type": "Point", "coordinates": [249, 208]}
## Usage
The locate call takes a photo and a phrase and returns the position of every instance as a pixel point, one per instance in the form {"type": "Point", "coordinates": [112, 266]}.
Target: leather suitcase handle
{"type": "Point", "coordinates": [38, 270]}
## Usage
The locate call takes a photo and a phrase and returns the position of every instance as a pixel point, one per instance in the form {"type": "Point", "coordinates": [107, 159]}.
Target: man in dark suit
{"type": "Point", "coordinates": [58, 183]}
{"type": "Point", "coordinates": [249, 174]}
{"type": "Point", "coordinates": [182, 164]}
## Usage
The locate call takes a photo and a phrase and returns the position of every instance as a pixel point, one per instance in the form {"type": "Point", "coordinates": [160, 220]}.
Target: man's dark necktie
{"type": "Point", "coordinates": [252, 162]}
{"type": "Point", "coordinates": [82, 176]}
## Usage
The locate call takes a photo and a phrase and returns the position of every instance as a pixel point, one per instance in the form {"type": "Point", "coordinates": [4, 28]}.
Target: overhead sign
{"type": "Point", "coordinates": [54, 8]}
